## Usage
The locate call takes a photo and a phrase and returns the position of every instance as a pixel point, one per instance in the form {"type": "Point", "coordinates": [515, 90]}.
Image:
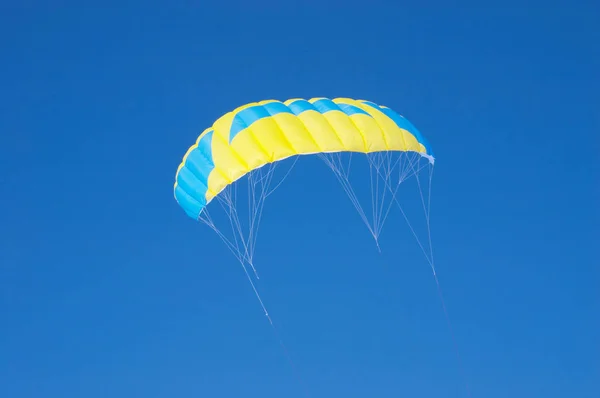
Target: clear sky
{"type": "Point", "coordinates": [107, 288]}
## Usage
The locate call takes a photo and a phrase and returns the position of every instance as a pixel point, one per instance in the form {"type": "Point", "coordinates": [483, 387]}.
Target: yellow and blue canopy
{"type": "Point", "coordinates": [264, 132]}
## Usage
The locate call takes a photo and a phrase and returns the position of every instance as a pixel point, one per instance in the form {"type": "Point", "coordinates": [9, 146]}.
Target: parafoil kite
{"type": "Point", "coordinates": [253, 139]}
{"type": "Point", "coordinates": [260, 133]}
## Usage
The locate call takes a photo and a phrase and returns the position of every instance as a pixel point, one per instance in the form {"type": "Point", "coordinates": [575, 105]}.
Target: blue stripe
{"type": "Point", "coordinates": [276, 107]}
{"type": "Point", "coordinates": [190, 193]}
{"type": "Point", "coordinates": [192, 179]}
{"type": "Point", "coordinates": [299, 106]}
{"type": "Point", "coordinates": [324, 105]}
{"type": "Point", "coordinates": [352, 110]}
{"type": "Point", "coordinates": [190, 205]}
{"type": "Point", "coordinates": [403, 123]}
{"type": "Point", "coordinates": [246, 117]}
{"type": "Point", "coordinates": [200, 160]}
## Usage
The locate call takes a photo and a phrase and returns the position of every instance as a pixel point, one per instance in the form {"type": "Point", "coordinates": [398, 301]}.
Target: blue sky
{"type": "Point", "coordinates": [107, 288]}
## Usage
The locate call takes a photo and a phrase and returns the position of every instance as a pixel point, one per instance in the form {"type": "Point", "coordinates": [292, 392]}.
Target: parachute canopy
{"type": "Point", "coordinates": [265, 132]}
